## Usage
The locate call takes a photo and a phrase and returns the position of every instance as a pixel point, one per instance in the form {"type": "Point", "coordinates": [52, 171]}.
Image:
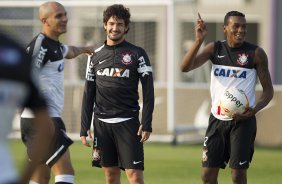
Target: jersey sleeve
{"type": "Point", "coordinates": [37, 52]}
{"type": "Point", "coordinates": [146, 78]}
{"type": "Point", "coordinates": [65, 50]}
{"type": "Point", "coordinates": [88, 98]}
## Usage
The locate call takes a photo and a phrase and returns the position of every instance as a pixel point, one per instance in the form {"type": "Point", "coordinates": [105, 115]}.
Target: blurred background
{"type": "Point", "coordinates": [165, 29]}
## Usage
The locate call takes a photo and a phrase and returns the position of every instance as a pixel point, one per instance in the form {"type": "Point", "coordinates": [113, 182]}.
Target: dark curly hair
{"type": "Point", "coordinates": [232, 13]}
{"type": "Point", "coordinates": [117, 11]}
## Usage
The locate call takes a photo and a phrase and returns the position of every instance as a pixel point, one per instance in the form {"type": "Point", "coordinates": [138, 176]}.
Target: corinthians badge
{"type": "Point", "coordinates": [96, 154]}
{"type": "Point", "coordinates": [243, 59]}
{"type": "Point", "coordinates": [126, 58]}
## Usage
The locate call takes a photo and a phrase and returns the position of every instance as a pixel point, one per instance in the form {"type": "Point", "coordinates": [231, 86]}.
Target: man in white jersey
{"type": "Point", "coordinates": [17, 90]}
{"type": "Point", "coordinates": [235, 63]}
{"type": "Point", "coordinates": [47, 55]}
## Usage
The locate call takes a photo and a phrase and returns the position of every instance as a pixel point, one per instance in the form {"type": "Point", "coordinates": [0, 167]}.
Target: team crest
{"type": "Point", "coordinates": [126, 58]}
{"type": "Point", "coordinates": [243, 59]}
{"type": "Point", "coordinates": [96, 154]}
{"type": "Point", "coordinates": [205, 157]}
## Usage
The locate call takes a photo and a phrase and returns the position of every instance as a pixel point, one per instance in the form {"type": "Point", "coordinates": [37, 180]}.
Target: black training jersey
{"type": "Point", "coordinates": [47, 56]}
{"type": "Point", "coordinates": [112, 79]}
{"type": "Point", "coordinates": [17, 90]}
{"type": "Point", "coordinates": [232, 67]}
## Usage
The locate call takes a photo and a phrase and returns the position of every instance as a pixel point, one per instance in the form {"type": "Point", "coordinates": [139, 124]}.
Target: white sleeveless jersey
{"type": "Point", "coordinates": [48, 59]}
{"type": "Point", "coordinates": [232, 67]}
{"type": "Point", "coordinates": [224, 77]}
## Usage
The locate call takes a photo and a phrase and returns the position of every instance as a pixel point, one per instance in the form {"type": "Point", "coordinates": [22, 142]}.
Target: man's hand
{"type": "Point", "coordinates": [200, 29]}
{"type": "Point", "coordinates": [89, 50]}
{"type": "Point", "coordinates": [145, 135]}
{"type": "Point", "coordinates": [245, 115]}
{"type": "Point", "coordinates": [84, 140]}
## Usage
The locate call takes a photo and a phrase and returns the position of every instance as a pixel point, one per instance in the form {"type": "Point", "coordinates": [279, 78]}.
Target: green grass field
{"type": "Point", "coordinates": [166, 164]}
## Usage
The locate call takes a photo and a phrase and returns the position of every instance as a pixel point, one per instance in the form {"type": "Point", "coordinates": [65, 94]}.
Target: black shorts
{"type": "Point", "coordinates": [60, 141]}
{"type": "Point", "coordinates": [117, 145]}
{"type": "Point", "coordinates": [227, 141]}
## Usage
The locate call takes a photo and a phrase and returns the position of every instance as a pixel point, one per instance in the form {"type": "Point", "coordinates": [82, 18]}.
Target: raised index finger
{"type": "Point", "coordinates": [199, 16]}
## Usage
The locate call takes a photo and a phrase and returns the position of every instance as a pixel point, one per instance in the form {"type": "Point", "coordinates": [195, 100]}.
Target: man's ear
{"type": "Point", "coordinates": [44, 21]}
{"type": "Point", "coordinates": [105, 26]}
{"type": "Point", "coordinates": [224, 28]}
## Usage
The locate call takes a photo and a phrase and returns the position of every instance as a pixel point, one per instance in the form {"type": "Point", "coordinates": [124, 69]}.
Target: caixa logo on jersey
{"type": "Point", "coordinates": [114, 72]}
{"type": "Point", "coordinates": [221, 72]}
{"type": "Point", "coordinates": [61, 67]}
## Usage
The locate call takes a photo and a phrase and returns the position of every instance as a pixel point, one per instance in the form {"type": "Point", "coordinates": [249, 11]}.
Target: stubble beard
{"type": "Point", "coordinates": [117, 38]}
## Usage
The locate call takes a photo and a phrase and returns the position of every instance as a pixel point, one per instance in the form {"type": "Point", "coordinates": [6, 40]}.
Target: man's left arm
{"type": "Point", "coordinates": [261, 63]}
{"type": "Point", "coordinates": [146, 77]}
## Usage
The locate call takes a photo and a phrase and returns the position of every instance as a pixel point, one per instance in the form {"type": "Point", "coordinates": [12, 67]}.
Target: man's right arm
{"type": "Point", "coordinates": [191, 60]}
{"type": "Point", "coordinates": [87, 107]}
{"type": "Point", "coordinates": [75, 51]}
{"type": "Point", "coordinates": [87, 112]}
{"type": "Point", "coordinates": [88, 100]}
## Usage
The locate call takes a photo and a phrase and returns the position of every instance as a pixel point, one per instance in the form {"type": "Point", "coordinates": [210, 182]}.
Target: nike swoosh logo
{"type": "Point", "coordinates": [220, 56]}
{"type": "Point", "coordinates": [100, 62]}
{"type": "Point", "coordinates": [134, 162]}
{"type": "Point", "coordinates": [241, 163]}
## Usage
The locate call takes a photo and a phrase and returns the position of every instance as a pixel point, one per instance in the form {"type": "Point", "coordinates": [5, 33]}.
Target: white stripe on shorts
{"type": "Point", "coordinates": [55, 154]}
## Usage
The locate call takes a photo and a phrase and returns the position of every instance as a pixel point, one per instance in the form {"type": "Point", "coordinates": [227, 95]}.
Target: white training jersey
{"type": "Point", "coordinates": [48, 59]}
{"type": "Point", "coordinates": [224, 77]}
{"type": "Point", "coordinates": [232, 67]}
